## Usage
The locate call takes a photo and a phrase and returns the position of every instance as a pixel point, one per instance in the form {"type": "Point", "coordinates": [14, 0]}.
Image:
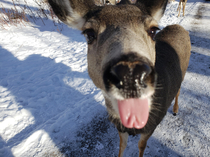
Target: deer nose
{"type": "Point", "coordinates": [130, 75]}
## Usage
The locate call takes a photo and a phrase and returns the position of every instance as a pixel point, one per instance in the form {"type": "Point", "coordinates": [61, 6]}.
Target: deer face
{"type": "Point", "coordinates": [121, 52]}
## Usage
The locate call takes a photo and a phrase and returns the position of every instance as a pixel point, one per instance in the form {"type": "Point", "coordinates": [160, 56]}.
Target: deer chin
{"type": "Point", "coordinates": [134, 112]}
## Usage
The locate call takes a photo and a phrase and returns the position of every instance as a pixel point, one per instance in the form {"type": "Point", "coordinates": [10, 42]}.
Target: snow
{"type": "Point", "coordinates": [50, 107]}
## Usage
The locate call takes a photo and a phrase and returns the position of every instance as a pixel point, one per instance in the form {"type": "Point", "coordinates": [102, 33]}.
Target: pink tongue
{"type": "Point", "coordinates": [134, 113]}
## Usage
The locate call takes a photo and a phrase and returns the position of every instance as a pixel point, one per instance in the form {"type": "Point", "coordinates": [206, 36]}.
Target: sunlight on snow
{"type": "Point", "coordinates": [15, 118]}
{"type": "Point", "coordinates": [36, 141]}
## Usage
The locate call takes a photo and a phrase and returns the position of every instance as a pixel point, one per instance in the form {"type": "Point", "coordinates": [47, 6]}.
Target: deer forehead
{"type": "Point", "coordinates": [121, 29]}
{"type": "Point", "coordinates": [119, 16]}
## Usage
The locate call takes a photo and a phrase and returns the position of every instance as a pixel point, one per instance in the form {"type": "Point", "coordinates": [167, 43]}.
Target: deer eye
{"type": "Point", "coordinates": [152, 32]}
{"type": "Point", "coordinates": [90, 35]}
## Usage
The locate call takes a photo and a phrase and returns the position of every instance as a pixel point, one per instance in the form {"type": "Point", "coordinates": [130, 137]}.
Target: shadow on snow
{"type": "Point", "coordinates": [36, 80]}
{"type": "Point", "coordinates": [37, 85]}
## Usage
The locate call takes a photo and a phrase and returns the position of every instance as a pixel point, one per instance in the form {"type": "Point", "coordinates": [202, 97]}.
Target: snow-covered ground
{"type": "Point", "coordinates": [50, 107]}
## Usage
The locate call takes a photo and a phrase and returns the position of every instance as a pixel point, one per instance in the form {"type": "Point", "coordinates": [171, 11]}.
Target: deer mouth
{"type": "Point", "coordinates": [134, 113]}
{"type": "Point", "coordinates": [131, 83]}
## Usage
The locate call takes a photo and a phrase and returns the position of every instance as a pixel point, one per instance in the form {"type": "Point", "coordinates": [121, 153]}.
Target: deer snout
{"type": "Point", "coordinates": [129, 75]}
{"type": "Point", "coordinates": [129, 79]}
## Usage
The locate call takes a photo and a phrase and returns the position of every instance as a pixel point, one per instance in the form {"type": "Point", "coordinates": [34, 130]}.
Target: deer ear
{"type": "Point", "coordinates": [72, 12]}
{"type": "Point", "coordinates": [155, 8]}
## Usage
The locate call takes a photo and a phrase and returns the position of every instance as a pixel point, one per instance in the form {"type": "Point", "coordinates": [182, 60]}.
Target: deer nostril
{"type": "Point", "coordinates": [141, 72]}
{"type": "Point", "coordinates": [119, 73]}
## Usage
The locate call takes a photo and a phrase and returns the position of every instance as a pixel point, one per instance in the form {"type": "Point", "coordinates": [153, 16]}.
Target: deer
{"type": "Point", "coordinates": [182, 3]}
{"type": "Point", "coordinates": [138, 67]}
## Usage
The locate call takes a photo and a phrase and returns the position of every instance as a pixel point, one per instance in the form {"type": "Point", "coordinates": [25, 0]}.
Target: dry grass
{"type": "Point", "coordinates": [12, 16]}
{"type": "Point", "coordinates": [22, 15]}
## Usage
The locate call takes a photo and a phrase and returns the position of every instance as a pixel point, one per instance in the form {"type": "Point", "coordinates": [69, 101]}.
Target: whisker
{"type": "Point", "coordinates": [158, 87]}
{"type": "Point", "coordinates": [156, 109]}
{"type": "Point", "coordinates": [155, 97]}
